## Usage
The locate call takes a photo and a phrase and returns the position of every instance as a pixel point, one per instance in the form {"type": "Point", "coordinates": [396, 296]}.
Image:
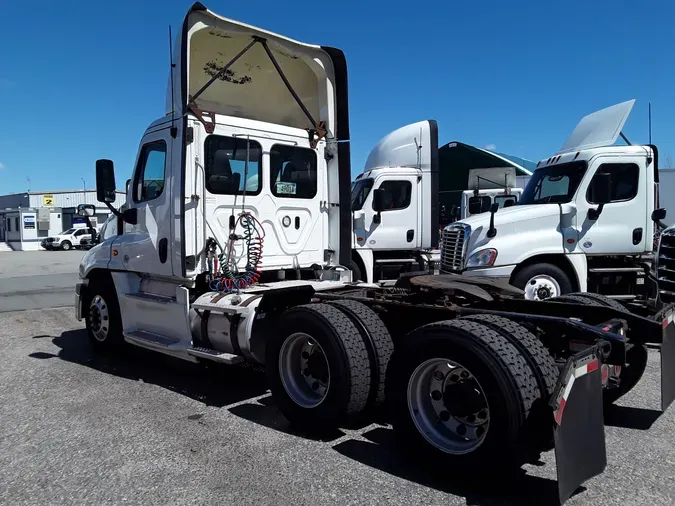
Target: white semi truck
{"type": "Point", "coordinates": [403, 236]}
{"type": "Point", "coordinates": [234, 248]}
{"type": "Point", "coordinates": [588, 221]}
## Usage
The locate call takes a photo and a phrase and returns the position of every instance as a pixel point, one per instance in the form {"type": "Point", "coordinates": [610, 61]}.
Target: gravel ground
{"type": "Point", "coordinates": [144, 429]}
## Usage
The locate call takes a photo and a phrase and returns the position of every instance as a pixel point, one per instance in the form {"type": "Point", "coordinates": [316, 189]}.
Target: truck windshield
{"type": "Point", "coordinates": [554, 184]}
{"type": "Point", "coordinates": [360, 191]}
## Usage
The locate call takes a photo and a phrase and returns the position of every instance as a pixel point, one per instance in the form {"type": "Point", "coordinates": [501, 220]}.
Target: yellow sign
{"type": "Point", "coordinates": [47, 200]}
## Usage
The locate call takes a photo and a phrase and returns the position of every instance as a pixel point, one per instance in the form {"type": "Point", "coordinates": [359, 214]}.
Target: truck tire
{"type": "Point", "coordinates": [315, 388]}
{"type": "Point", "coordinates": [636, 355]}
{"type": "Point", "coordinates": [460, 393]}
{"type": "Point", "coordinates": [102, 317]}
{"type": "Point", "coordinates": [602, 300]}
{"type": "Point", "coordinates": [542, 281]}
{"type": "Point", "coordinates": [65, 245]}
{"type": "Point", "coordinates": [534, 351]}
{"type": "Point", "coordinates": [378, 342]}
{"type": "Point", "coordinates": [542, 364]}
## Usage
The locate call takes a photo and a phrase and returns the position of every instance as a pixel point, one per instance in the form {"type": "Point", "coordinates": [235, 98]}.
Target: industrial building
{"type": "Point", "coordinates": [27, 218]}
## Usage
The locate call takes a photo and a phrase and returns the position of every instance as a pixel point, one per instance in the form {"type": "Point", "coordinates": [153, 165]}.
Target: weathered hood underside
{"type": "Point", "coordinates": [252, 87]}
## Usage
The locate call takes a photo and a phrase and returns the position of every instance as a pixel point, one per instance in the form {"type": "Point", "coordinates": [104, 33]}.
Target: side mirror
{"type": "Point", "coordinates": [475, 205]}
{"type": "Point", "coordinates": [601, 188]}
{"type": "Point", "coordinates": [659, 214]}
{"type": "Point", "coordinates": [225, 184]}
{"type": "Point", "coordinates": [105, 181]}
{"type": "Point", "coordinates": [86, 210]}
{"type": "Point", "coordinates": [378, 200]}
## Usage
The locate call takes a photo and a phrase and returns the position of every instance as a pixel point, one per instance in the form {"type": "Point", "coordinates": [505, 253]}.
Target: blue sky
{"type": "Point", "coordinates": [81, 81]}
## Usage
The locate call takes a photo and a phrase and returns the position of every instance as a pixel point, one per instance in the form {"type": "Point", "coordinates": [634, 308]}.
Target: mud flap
{"type": "Point", "coordinates": [668, 360]}
{"type": "Point", "coordinates": [579, 430]}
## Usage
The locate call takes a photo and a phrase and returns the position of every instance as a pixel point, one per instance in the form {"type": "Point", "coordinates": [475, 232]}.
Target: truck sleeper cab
{"type": "Point", "coordinates": [235, 247]}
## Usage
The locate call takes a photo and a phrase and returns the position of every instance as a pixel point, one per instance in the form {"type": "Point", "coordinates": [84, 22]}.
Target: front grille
{"type": "Point", "coordinates": [49, 239]}
{"type": "Point", "coordinates": [665, 264]}
{"type": "Point", "coordinates": [453, 246]}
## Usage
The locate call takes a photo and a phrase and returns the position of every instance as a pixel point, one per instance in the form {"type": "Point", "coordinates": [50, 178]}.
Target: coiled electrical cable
{"type": "Point", "coordinates": [227, 279]}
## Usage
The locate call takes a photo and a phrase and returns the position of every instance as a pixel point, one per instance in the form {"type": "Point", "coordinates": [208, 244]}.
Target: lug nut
{"type": "Point", "coordinates": [465, 374]}
{"type": "Point", "coordinates": [454, 378]}
{"type": "Point", "coordinates": [436, 395]}
{"type": "Point", "coordinates": [305, 355]}
{"type": "Point", "coordinates": [444, 416]}
{"type": "Point", "coordinates": [461, 429]}
{"type": "Point", "coordinates": [438, 375]}
{"type": "Point", "coordinates": [471, 418]}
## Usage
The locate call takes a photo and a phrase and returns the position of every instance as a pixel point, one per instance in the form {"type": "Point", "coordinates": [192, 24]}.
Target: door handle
{"type": "Point", "coordinates": [163, 249]}
{"type": "Point", "coordinates": [297, 223]}
{"type": "Point", "coordinates": [637, 236]}
{"type": "Point", "coordinates": [410, 235]}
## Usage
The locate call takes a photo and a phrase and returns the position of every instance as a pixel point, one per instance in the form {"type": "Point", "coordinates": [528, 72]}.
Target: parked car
{"type": "Point", "coordinates": [66, 240]}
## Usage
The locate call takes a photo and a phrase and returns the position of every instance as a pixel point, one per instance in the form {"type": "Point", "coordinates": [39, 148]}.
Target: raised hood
{"type": "Point", "coordinates": [414, 145]}
{"type": "Point", "coordinates": [598, 129]}
{"type": "Point", "coordinates": [256, 86]}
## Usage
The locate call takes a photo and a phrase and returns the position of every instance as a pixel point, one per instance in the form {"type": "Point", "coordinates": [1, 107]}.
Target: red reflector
{"type": "Point", "coordinates": [664, 324]}
{"type": "Point", "coordinates": [592, 366]}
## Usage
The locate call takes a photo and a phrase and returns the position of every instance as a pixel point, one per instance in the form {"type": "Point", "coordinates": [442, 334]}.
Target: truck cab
{"type": "Point", "coordinates": [585, 221]}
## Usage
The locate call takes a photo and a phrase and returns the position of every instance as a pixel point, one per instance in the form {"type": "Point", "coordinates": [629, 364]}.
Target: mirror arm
{"type": "Point", "coordinates": [594, 214]}
{"type": "Point", "coordinates": [129, 215]}
{"type": "Point", "coordinates": [492, 231]}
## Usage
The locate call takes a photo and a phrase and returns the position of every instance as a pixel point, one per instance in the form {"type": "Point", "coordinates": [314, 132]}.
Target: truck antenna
{"type": "Point", "coordinates": [174, 131]}
{"type": "Point", "coordinates": [650, 123]}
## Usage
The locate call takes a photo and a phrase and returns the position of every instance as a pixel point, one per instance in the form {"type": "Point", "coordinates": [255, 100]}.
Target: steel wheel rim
{"type": "Point", "coordinates": [99, 318]}
{"type": "Point", "coordinates": [542, 287]}
{"type": "Point", "coordinates": [304, 370]}
{"type": "Point", "coordinates": [459, 433]}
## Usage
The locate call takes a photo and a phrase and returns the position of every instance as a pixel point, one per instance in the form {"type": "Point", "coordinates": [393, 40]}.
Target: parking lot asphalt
{"type": "Point", "coordinates": [78, 428]}
{"type": "Point", "coordinates": [37, 279]}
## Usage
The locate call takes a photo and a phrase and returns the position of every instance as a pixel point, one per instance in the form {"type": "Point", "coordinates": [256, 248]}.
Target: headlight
{"type": "Point", "coordinates": [483, 258]}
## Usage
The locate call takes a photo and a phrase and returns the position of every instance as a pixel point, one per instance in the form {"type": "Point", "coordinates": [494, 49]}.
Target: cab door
{"type": "Point", "coordinates": [146, 247]}
{"type": "Point", "coordinates": [400, 221]}
{"type": "Point", "coordinates": [622, 225]}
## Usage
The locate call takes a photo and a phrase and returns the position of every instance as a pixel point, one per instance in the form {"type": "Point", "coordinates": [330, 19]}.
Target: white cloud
{"type": "Point", "coordinates": [2, 165]}
{"type": "Point", "coordinates": [491, 147]}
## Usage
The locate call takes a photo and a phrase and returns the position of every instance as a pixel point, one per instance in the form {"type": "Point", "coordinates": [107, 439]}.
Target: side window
{"type": "Point", "coordinates": [9, 224]}
{"type": "Point", "coordinates": [225, 167]}
{"type": "Point", "coordinates": [397, 194]}
{"type": "Point", "coordinates": [506, 200]}
{"type": "Point", "coordinates": [293, 172]}
{"type": "Point", "coordinates": [80, 232]}
{"type": "Point", "coordinates": [625, 179]}
{"type": "Point", "coordinates": [150, 173]}
{"type": "Point", "coordinates": [16, 224]}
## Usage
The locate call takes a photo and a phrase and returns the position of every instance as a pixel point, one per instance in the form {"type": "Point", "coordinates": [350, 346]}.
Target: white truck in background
{"type": "Point", "coordinates": [395, 206]}
{"type": "Point", "coordinates": [588, 221]}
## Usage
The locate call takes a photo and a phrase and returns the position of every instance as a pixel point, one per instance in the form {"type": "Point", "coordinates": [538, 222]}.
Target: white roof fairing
{"type": "Point", "coordinates": [251, 87]}
{"type": "Point", "coordinates": [598, 129]}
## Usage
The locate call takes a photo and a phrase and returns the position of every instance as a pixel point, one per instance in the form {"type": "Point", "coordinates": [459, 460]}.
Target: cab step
{"type": "Point", "coordinates": [214, 355]}
{"type": "Point", "coordinates": [151, 340]}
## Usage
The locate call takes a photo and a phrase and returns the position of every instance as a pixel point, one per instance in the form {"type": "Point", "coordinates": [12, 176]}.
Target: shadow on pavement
{"type": "Point", "coordinates": [222, 386]}
{"type": "Point", "coordinates": [631, 418]}
{"type": "Point", "coordinates": [382, 452]}
{"type": "Point", "coordinates": [216, 385]}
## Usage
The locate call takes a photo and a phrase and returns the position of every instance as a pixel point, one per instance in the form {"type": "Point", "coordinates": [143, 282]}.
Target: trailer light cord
{"type": "Point", "coordinates": [227, 279]}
